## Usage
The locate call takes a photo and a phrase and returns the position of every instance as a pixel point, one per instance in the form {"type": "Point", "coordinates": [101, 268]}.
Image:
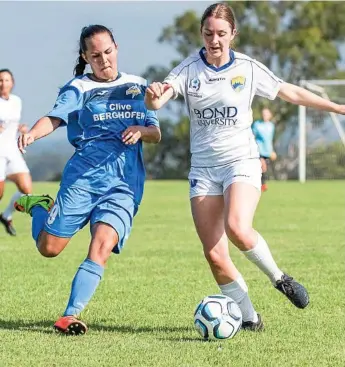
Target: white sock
{"type": "Point", "coordinates": [238, 291]}
{"type": "Point", "coordinates": [261, 256]}
{"type": "Point", "coordinates": [7, 214]}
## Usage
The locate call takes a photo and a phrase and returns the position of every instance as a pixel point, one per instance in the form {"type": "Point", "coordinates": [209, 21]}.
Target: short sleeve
{"type": "Point", "coordinates": [69, 100]}
{"type": "Point", "coordinates": [176, 79]}
{"type": "Point", "coordinates": [151, 119]}
{"type": "Point", "coordinates": [267, 85]}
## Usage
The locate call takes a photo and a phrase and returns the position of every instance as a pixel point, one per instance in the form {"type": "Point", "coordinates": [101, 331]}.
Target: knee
{"type": "Point", "coordinates": [48, 249]}
{"type": "Point", "coordinates": [101, 249]}
{"type": "Point", "coordinates": [214, 258]}
{"type": "Point", "coordinates": [239, 233]}
{"type": "Point", "coordinates": [25, 188]}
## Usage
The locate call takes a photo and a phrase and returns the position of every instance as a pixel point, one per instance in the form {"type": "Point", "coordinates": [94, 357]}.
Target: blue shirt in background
{"type": "Point", "coordinates": [264, 133]}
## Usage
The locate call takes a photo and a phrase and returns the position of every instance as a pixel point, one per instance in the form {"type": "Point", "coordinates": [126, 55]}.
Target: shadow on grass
{"type": "Point", "coordinates": [46, 326]}
{"type": "Point", "coordinates": [196, 339]}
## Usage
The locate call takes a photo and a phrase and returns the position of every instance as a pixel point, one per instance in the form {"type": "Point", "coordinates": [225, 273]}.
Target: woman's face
{"type": "Point", "coordinates": [101, 54]}
{"type": "Point", "coordinates": [6, 83]}
{"type": "Point", "coordinates": [266, 114]}
{"type": "Point", "coordinates": [217, 35]}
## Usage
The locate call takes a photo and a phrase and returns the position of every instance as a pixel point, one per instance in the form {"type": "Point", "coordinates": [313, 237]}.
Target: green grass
{"type": "Point", "coordinates": [142, 313]}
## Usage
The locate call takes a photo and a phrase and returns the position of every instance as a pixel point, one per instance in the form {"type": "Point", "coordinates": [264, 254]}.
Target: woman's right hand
{"type": "Point", "coordinates": [153, 95]}
{"type": "Point", "coordinates": [24, 140]}
{"type": "Point", "coordinates": [156, 89]}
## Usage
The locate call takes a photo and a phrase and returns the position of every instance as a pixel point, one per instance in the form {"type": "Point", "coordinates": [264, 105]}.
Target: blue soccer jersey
{"type": "Point", "coordinates": [264, 133]}
{"type": "Point", "coordinates": [96, 115]}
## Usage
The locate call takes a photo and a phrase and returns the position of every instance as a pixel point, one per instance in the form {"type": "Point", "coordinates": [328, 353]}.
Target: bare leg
{"type": "Point", "coordinates": [208, 215]}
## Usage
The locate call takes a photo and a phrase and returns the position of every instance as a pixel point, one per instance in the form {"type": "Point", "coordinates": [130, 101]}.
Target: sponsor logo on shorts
{"type": "Point", "coordinates": [241, 175]}
{"type": "Point", "coordinates": [193, 182]}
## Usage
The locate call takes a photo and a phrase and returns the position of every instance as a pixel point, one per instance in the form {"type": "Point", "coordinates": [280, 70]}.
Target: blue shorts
{"type": "Point", "coordinates": [75, 207]}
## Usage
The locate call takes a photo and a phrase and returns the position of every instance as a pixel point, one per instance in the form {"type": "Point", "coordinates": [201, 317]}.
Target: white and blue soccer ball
{"type": "Point", "coordinates": [217, 317]}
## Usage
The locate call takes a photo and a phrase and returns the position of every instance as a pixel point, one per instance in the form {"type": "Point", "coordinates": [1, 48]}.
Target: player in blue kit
{"type": "Point", "coordinates": [103, 181]}
{"type": "Point", "coordinates": [263, 131]}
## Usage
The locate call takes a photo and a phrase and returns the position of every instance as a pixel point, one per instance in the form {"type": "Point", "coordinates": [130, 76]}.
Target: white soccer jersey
{"type": "Point", "coordinates": [10, 114]}
{"type": "Point", "coordinates": [219, 105]}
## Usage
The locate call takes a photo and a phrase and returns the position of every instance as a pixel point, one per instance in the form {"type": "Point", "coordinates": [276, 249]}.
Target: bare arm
{"type": "Point", "coordinates": [151, 134]}
{"type": "Point", "coordinates": [43, 127]}
{"type": "Point", "coordinates": [300, 96]}
{"type": "Point", "coordinates": [157, 95]}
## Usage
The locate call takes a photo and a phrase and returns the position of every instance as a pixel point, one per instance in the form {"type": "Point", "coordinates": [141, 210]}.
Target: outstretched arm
{"type": "Point", "coordinates": [43, 127]}
{"type": "Point", "coordinates": [300, 96]}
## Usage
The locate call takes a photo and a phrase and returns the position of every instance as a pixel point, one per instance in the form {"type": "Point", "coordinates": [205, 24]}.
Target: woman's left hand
{"type": "Point", "coordinates": [131, 135]}
{"type": "Point", "coordinates": [273, 156]}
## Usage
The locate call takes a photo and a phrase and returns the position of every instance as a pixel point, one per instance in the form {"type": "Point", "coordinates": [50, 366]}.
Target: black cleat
{"type": "Point", "coordinates": [294, 291]}
{"type": "Point", "coordinates": [8, 225]}
{"type": "Point", "coordinates": [253, 326]}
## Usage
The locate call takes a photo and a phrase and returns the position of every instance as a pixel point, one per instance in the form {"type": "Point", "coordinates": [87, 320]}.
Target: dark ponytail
{"type": "Point", "coordinates": [88, 32]}
{"type": "Point", "coordinates": [81, 64]}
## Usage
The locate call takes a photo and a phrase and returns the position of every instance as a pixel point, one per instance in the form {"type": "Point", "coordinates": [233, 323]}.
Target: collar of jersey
{"type": "Point", "coordinates": [203, 58]}
{"type": "Point", "coordinates": [4, 99]}
{"type": "Point", "coordinates": [119, 75]}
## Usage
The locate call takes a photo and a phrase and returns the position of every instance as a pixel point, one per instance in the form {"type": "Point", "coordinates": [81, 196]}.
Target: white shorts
{"type": "Point", "coordinates": [12, 164]}
{"type": "Point", "coordinates": [205, 181]}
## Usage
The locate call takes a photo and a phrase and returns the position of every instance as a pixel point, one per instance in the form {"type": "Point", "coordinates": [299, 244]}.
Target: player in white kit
{"type": "Point", "coordinates": [12, 164]}
{"type": "Point", "coordinates": [218, 85]}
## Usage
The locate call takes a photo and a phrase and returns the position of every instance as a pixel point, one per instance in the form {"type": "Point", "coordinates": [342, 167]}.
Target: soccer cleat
{"type": "Point", "coordinates": [70, 325]}
{"type": "Point", "coordinates": [264, 187]}
{"type": "Point", "coordinates": [294, 291]}
{"type": "Point", "coordinates": [8, 225]}
{"type": "Point", "coordinates": [27, 202]}
{"type": "Point", "coordinates": [253, 326]}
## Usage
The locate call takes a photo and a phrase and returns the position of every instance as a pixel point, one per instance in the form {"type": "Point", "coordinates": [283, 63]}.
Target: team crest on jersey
{"type": "Point", "coordinates": [134, 91]}
{"type": "Point", "coordinates": [194, 84]}
{"type": "Point", "coordinates": [238, 83]}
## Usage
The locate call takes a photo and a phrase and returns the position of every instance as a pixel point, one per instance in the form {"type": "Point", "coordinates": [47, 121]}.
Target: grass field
{"type": "Point", "coordinates": [142, 313]}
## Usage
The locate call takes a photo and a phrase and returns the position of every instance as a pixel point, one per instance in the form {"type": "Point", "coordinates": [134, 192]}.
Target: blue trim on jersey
{"type": "Point", "coordinates": [214, 68]}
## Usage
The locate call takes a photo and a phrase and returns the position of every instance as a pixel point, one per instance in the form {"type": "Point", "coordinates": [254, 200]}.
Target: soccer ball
{"type": "Point", "coordinates": [217, 317]}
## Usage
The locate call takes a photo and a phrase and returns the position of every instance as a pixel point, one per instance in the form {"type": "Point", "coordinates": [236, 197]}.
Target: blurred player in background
{"type": "Point", "coordinates": [12, 163]}
{"type": "Point", "coordinates": [263, 131]}
{"type": "Point", "coordinates": [218, 85]}
{"type": "Point", "coordinates": [103, 182]}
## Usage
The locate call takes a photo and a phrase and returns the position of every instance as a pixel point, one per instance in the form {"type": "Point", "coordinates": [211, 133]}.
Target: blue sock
{"type": "Point", "coordinates": [84, 286]}
{"type": "Point", "coordinates": [39, 216]}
